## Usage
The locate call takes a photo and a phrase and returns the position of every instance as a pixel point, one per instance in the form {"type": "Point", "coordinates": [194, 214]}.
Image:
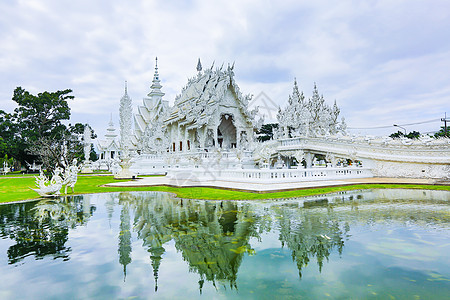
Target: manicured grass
{"type": "Point", "coordinates": [18, 188]}
{"type": "Point", "coordinates": [18, 175]}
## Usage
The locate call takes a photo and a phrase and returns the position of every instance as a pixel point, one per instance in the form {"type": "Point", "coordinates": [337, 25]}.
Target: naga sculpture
{"type": "Point", "coordinates": [49, 188]}
{"type": "Point", "coordinates": [52, 187]}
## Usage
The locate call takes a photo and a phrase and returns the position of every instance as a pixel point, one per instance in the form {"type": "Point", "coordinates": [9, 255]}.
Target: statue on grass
{"type": "Point", "coordinates": [60, 178]}
{"type": "Point", "coordinates": [87, 141]}
{"type": "Point", "coordinates": [71, 176]}
{"type": "Point", "coordinates": [49, 188]}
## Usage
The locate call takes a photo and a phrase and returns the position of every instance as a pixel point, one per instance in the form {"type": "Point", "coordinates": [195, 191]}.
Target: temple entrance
{"type": "Point", "coordinates": [226, 132]}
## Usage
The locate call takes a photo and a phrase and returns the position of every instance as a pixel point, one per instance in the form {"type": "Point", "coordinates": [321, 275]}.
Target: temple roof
{"type": "Point", "coordinates": [107, 145]}
{"type": "Point", "coordinates": [203, 94]}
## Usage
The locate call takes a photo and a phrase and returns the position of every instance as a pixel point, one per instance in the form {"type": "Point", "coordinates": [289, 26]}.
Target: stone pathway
{"type": "Point", "coordinates": [264, 188]}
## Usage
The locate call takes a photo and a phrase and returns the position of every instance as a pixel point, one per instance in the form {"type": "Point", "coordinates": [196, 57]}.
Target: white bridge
{"type": "Point", "coordinates": [384, 157]}
{"type": "Point", "coordinates": [421, 158]}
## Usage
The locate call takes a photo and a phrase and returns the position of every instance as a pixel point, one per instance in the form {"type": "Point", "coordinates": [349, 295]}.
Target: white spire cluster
{"type": "Point", "coordinates": [312, 117]}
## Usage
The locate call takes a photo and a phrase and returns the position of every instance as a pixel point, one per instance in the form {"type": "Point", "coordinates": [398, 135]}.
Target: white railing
{"type": "Point", "coordinates": [422, 143]}
{"type": "Point", "coordinates": [271, 175]}
{"type": "Point", "coordinates": [417, 151]}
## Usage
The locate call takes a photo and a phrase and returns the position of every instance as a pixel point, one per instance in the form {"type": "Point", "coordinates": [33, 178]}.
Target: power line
{"type": "Point", "coordinates": [430, 121]}
{"type": "Point", "coordinates": [390, 126]}
{"type": "Point", "coordinates": [378, 127]}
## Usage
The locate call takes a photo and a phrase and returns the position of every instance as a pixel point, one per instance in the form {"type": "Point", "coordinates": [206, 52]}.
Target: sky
{"type": "Point", "coordinates": [384, 62]}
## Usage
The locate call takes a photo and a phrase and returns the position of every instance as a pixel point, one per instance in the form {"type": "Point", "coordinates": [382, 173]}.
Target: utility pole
{"type": "Point", "coordinates": [445, 120]}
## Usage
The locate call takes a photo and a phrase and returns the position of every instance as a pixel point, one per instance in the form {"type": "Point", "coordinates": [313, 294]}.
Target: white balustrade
{"type": "Point", "coordinates": [275, 175]}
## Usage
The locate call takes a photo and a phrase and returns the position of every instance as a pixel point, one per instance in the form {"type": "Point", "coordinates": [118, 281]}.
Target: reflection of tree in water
{"type": "Point", "coordinates": [211, 236]}
{"type": "Point", "coordinates": [308, 234]}
{"type": "Point", "coordinates": [41, 228]}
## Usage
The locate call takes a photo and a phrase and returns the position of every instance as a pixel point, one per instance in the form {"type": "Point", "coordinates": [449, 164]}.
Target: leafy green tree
{"type": "Point", "coordinates": [42, 115]}
{"type": "Point", "coordinates": [266, 132]}
{"type": "Point", "coordinates": [411, 135]}
{"type": "Point", "coordinates": [8, 136]}
{"type": "Point", "coordinates": [36, 118]}
{"type": "Point", "coordinates": [441, 133]}
{"type": "Point", "coordinates": [397, 135]}
{"type": "Point", "coordinates": [36, 132]}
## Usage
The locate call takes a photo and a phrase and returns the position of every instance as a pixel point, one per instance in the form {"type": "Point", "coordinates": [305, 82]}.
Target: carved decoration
{"type": "Point", "coordinates": [311, 117]}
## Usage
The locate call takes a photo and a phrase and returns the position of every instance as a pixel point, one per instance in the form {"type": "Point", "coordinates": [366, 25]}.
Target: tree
{"type": "Point", "coordinates": [441, 133]}
{"type": "Point", "coordinates": [37, 118]}
{"type": "Point", "coordinates": [8, 140]}
{"type": "Point", "coordinates": [41, 115]}
{"type": "Point", "coordinates": [412, 135]}
{"type": "Point", "coordinates": [62, 151]}
{"type": "Point", "coordinates": [35, 131]}
{"type": "Point", "coordinates": [266, 132]}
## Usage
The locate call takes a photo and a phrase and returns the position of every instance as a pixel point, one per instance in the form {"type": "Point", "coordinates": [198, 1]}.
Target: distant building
{"type": "Point", "coordinates": [108, 147]}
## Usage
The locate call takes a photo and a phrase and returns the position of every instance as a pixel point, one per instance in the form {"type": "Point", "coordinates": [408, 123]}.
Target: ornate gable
{"type": "Point", "coordinates": [201, 98]}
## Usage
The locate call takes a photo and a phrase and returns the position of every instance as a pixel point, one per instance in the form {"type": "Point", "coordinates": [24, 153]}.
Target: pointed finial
{"type": "Point", "coordinates": [156, 75]}
{"type": "Point", "coordinates": [199, 65]}
{"type": "Point", "coordinates": [126, 88]}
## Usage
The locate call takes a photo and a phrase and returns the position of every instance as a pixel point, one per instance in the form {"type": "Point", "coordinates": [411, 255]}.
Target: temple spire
{"type": "Point", "coordinates": [156, 76]}
{"type": "Point", "coordinates": [156, 83]}
{"type": "Point", "coordinates": [199, 65]}
{"type": "Point", "coordinates": [126, 89]}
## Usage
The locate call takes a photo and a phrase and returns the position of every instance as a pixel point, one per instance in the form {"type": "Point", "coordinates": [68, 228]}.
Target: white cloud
{"type": "Point", "coordinates": [382, 61]}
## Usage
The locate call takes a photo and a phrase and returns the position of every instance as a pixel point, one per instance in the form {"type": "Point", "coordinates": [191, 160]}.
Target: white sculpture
{"type": "Point", "coordinates": [126, 114]}
{"type": "Point", "coordinates": [87, 141]}
{"type": "Point", "coordinates": [70, 176]}
{"type": "Point", "coordinates": [34, 166]}
{"type": "Point", "coordinates": [6, 168]}
{"type": "Point", "coordinates": [49, 188]}
{"type": "Point", "coordinates": [299, 156]}
{"type": "Point", "coordinates": [52, 187]}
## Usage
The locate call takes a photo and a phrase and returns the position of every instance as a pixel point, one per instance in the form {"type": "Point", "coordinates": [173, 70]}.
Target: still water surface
{"type": "Point", "coordinates": [380, 244]}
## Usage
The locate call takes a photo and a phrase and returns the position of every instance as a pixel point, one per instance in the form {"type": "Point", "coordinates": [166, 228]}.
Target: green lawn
{"type": "Point", "coordinates": [18, 188]}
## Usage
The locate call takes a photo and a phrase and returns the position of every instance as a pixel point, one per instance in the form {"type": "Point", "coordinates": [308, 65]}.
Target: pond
{"type": "Point", "coordinates": [381, 244]}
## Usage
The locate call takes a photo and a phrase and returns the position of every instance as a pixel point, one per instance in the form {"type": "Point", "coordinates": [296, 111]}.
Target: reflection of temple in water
{"type": "Point", "coordinates": [211, 236]}
{"type": "Point", "coordinates": [309, 235]}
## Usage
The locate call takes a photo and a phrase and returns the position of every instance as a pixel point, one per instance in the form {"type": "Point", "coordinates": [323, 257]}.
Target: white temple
{"type": "Point", "coordinates": [209, 134]}
{"type": "Point", "coordinates": [108, 148]}
{"type": "Point", "coordinates": [210, 113]}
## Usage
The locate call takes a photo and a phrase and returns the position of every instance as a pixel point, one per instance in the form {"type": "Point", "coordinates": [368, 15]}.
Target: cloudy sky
{"type": "Point", "coordinates": [384, 62]}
